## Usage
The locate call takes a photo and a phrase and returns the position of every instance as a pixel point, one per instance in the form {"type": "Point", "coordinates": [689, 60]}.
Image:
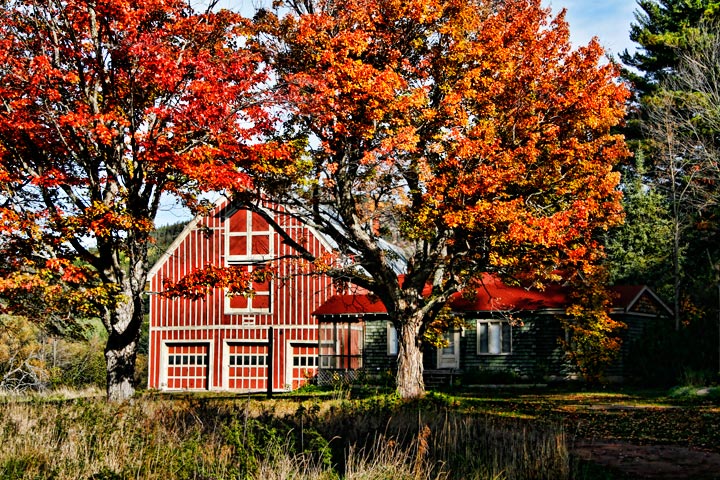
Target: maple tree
{"type": "Point", "coordinates": [470, 126]}
{"type": "Point", "coordinates": [106, 107]}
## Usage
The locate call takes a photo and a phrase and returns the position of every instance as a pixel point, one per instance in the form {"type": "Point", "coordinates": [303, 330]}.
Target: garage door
{"type": "Point", "coordinates": [304, 364]}
{"type": "Point", "coordinates": [247, 367]}
{"type": "Point", "coordinates": [187, 366]}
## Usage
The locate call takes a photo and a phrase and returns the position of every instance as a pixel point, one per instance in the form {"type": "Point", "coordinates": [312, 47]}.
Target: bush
{"type": "Point", "coordinates": [80, 363]}
{"type": "Point", "coordinates": [32, 360]}
{"type": "Point", "coordinates": [664, 357]}
{"type": "Point", "coordinates": [23, 364]}
{"type": "Point", "coordinates": [481, 376]}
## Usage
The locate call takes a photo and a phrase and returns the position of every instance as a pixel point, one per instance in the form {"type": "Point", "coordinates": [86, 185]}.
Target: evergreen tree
{"type": "Point", "coordinates": [639, 251]}
{"type": "Point", "coordinates": [662, 28]}
{"type": "Point", "coordinates": [674, 74]}
{"type": "Point", "coordinates": [163, 237]}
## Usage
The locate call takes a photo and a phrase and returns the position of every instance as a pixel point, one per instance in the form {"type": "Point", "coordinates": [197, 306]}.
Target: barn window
{"type": "Point", "coordinates": [244, 360]}
{"type": "Point", "coordinates": [494, 337]}
{"type": "Point", "coordinates": [305, 361]}
{"type": "Point", "coordinates": [257, 302]}
{"type": "Point", "coordinates": [249, 237]}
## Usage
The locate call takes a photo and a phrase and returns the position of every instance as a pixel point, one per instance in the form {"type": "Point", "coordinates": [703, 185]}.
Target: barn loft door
{"type": "Point", "coordinates": [187, 366]}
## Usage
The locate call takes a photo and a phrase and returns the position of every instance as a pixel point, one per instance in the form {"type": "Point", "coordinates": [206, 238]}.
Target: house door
{"type": "Point", "coordinates": [187, 366]}
{"type": "Point", "coordinates": [449, 357]}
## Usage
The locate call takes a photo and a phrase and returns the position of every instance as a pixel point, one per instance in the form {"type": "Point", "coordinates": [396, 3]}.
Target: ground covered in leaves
{"type": "Point", "coordinates": [632, 433]}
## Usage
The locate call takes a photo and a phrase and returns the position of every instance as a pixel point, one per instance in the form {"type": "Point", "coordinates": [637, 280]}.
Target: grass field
{"type": "Point", "coordinates": [331, 435]}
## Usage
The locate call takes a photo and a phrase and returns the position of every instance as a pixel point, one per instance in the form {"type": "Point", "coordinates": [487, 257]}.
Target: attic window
{"type": "Point", "coordinates": [249, 237]}
{"type": "Point", "coordinates": [494, 337]}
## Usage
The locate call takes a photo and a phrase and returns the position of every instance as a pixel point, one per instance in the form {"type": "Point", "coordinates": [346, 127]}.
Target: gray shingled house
{"type": "Point", "coordinates": [507, 329]}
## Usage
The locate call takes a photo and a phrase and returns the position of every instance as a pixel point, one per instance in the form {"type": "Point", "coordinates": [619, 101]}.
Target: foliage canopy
{"type": "Point", "coordinates": [108, 106]}
{"type": "Point", "coordinates": [471, 127]}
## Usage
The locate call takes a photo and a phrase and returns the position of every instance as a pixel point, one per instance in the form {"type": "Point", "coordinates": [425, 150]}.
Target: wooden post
{"type": "Point", "coordinates": [269, 362]}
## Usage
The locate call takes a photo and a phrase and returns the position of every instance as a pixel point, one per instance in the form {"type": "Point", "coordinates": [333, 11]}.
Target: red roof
{"type": "Point", "coordinates": [493, 295]}
{"type": "Point", "coordinates": [351, 304]}
{"type": "Point", "coordinates": [626, 294]}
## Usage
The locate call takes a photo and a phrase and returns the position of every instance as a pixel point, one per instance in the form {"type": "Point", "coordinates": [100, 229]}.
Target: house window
{"type": "Point", "coordinates": [341, 345]}
{"type": "Point", "coordinates": [392, 339]}
{"type": "Point", "coordinates": [494, 337]}
{"type": "Point", "coordinates": [258, 302]}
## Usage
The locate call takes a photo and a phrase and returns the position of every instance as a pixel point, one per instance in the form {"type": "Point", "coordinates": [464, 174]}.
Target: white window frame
{"type": "Point", "coordinates": [248, 234]}
{"type": "Point", "coordinates": [495, 336]}
{"type": "Point", "coordinates": [250, 310]}
{"type": "Point", "coordinates": [393, 346]}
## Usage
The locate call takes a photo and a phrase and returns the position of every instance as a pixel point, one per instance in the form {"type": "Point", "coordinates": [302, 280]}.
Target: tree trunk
{"type": "Point", "coordinates": [120, 358]}
{"type": "Point", "coordinates": [410, 383]}
{"type": "Point", "coordinates": [121, 350]}
{"type": "Point", "coordinates": [677, 278]}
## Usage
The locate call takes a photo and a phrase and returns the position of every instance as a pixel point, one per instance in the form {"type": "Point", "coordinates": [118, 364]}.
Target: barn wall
{"type": "Point", "coordinates": [293, 298]}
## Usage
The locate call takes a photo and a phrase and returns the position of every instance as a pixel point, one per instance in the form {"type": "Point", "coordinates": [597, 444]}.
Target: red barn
{"type": "Point", "coordinates": [222, 342]}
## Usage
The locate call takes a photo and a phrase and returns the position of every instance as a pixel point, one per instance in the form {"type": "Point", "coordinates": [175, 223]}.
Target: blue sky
{"type": "Point", "coordinates": [609, 20]}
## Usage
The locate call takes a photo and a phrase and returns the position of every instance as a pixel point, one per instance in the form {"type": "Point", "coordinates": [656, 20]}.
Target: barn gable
{"type": "Point", "coordinates": [222, 342]}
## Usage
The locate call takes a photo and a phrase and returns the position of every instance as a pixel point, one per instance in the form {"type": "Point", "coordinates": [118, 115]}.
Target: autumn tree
{"type": "Point", "coordinates": [106, 107]}
{"type": "Point", "coordinates": [471, 125]}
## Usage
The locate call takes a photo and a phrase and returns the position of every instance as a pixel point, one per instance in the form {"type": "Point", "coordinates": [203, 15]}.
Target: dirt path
{"type": "Point", "coordinates": [650, 461]}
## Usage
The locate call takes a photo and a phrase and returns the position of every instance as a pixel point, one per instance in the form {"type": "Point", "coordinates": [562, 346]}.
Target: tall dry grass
{"type": "Point", "coordinates": [235, 438]}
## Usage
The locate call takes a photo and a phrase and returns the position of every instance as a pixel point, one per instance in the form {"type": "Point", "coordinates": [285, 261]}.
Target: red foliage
{"type": "Point", "coordinates": [237, 280]}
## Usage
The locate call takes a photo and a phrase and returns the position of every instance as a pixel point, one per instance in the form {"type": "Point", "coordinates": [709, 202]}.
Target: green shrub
{"type": "Point", "coordinates": [691, 377]}
{"type": "Point", "coordinates": [481, 376]}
